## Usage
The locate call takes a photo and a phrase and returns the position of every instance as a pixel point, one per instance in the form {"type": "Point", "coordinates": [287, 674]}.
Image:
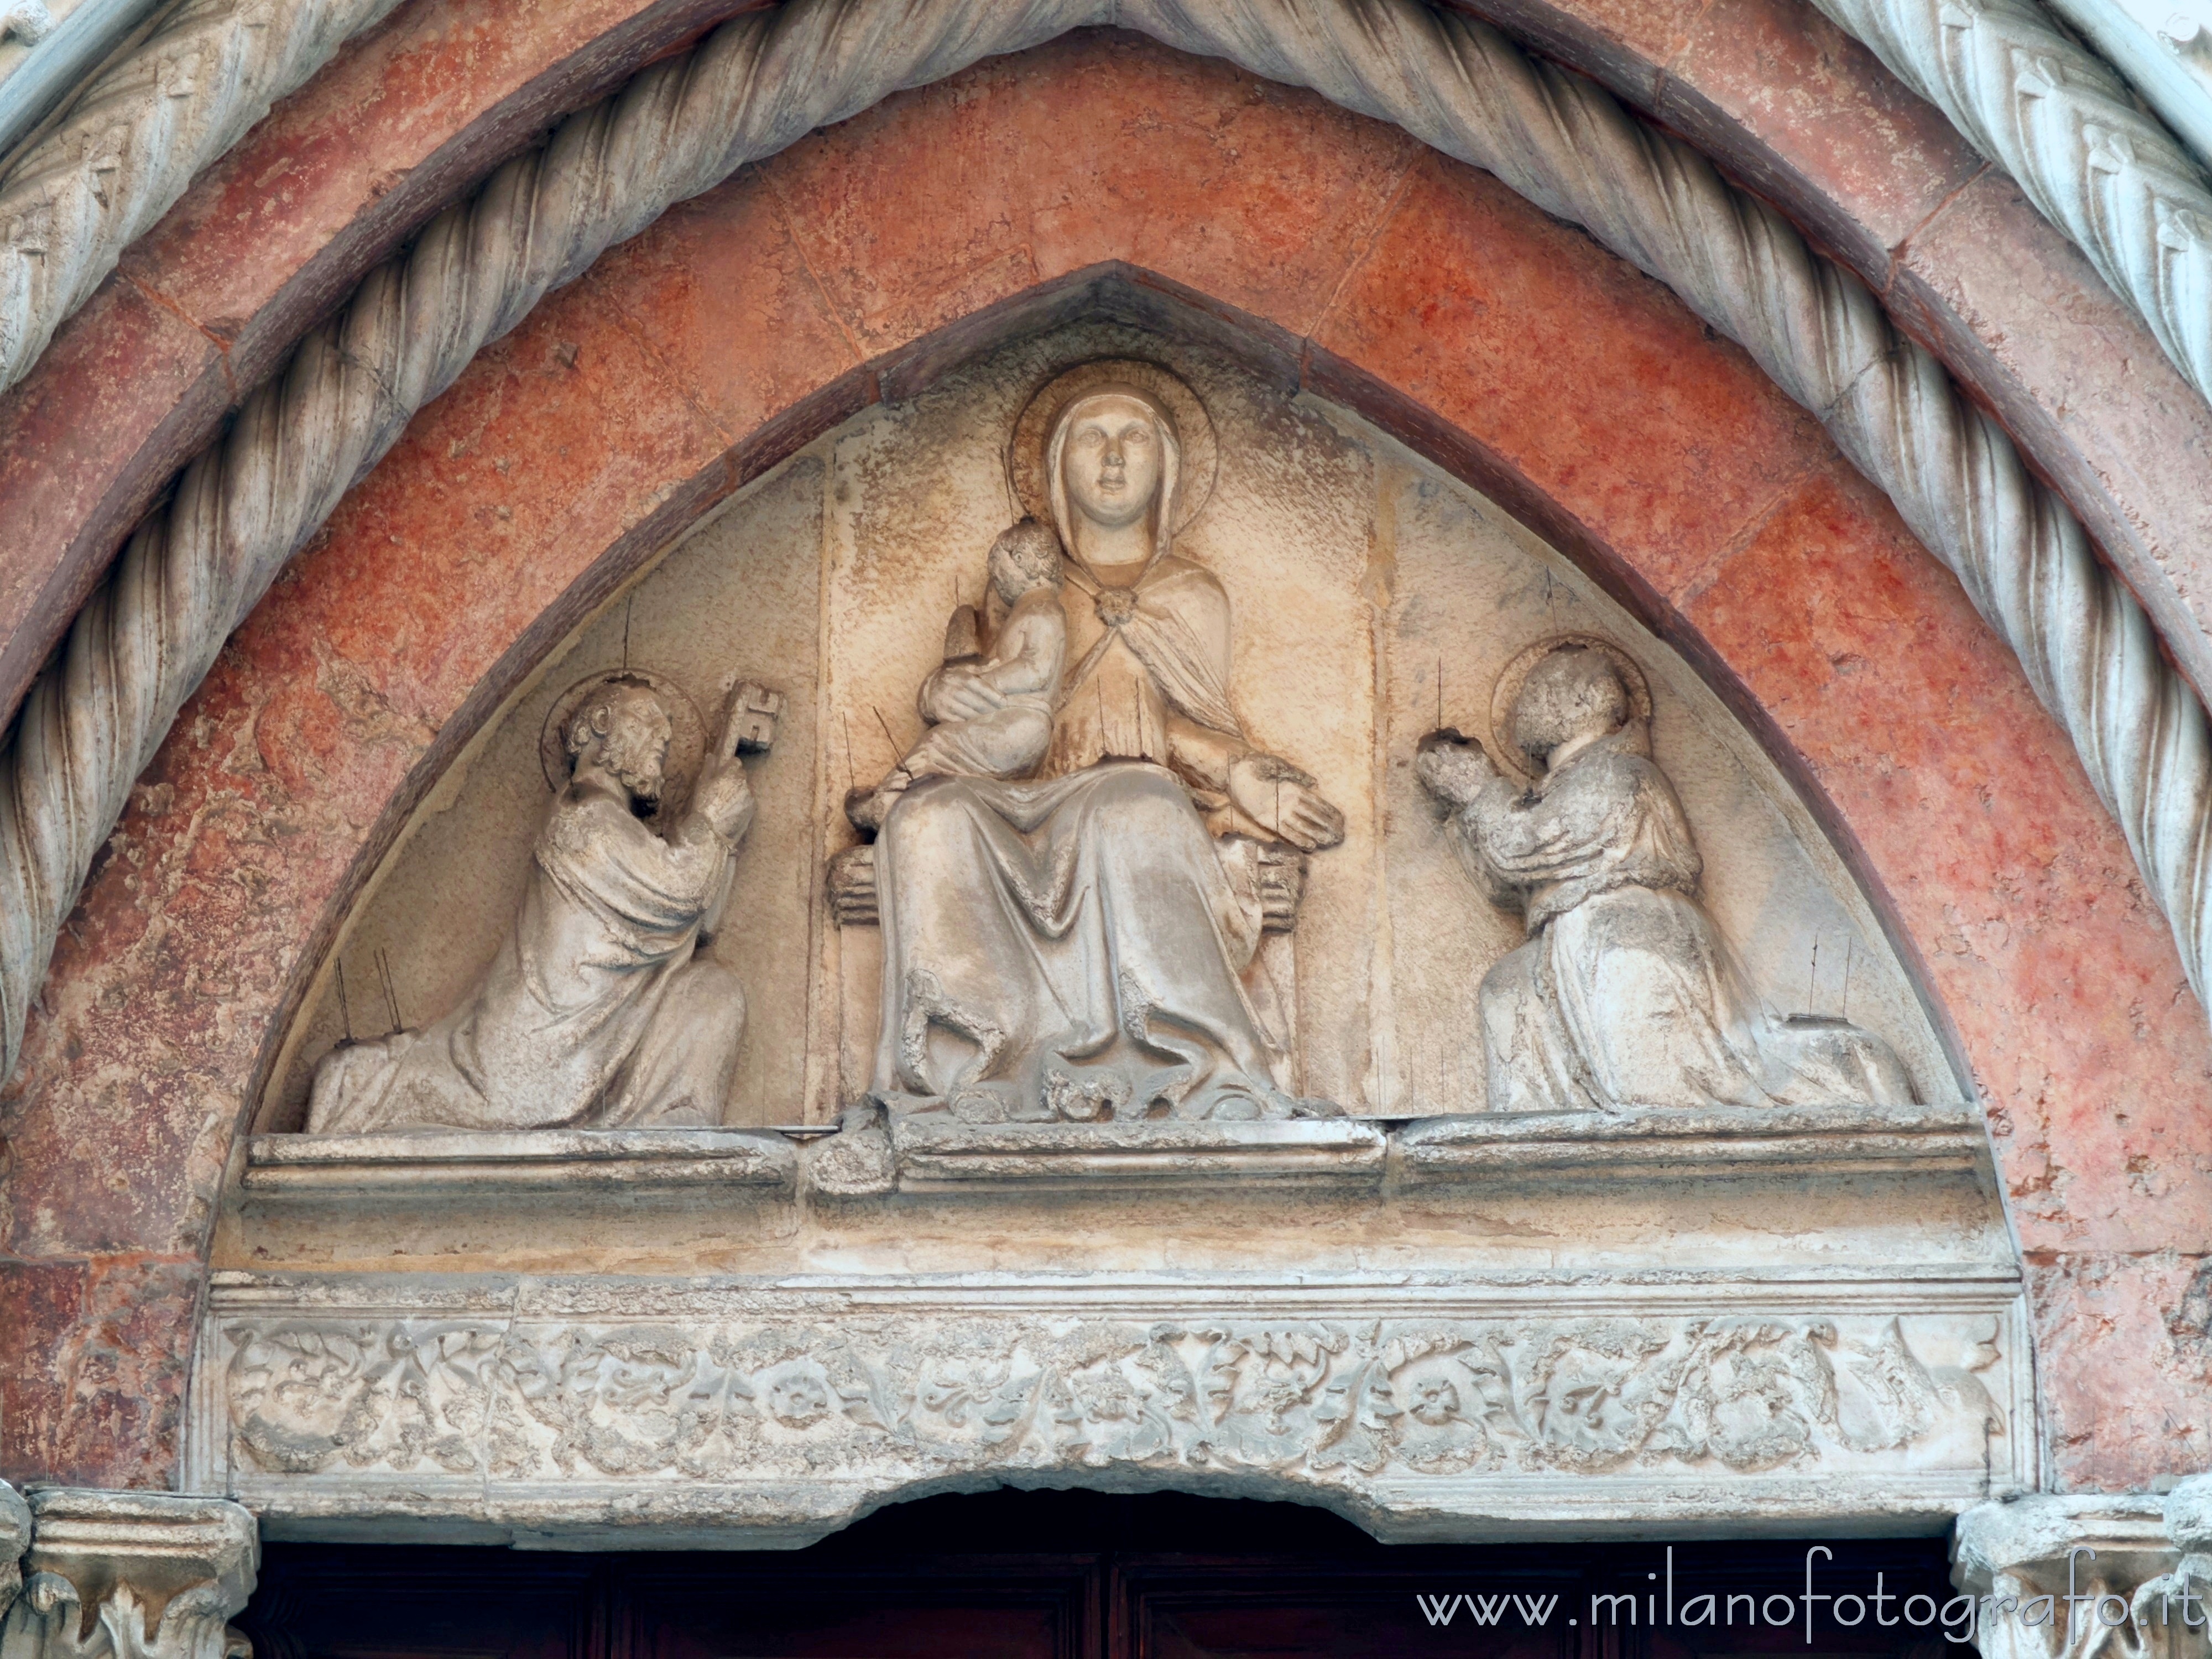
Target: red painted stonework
{"type": "Point", "coordinates": [1804, 117]}
{"type": "Point", "coordinates": [206, 305]}
{"type": "Point", "coordinates": [1507, 346]}
{"type": "Point", "coordinates": [1291, 188]}
{"type": "Point", "coordinates": [1460, 297]}
{"type": "Point", "coordinates": [93, 1356]}
{"type": "Point", "coordinates": [404, 119]}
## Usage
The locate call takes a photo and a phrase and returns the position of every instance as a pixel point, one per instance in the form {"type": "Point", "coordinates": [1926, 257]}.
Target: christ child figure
{"type": "Point", "coordinates": [1020, 675]}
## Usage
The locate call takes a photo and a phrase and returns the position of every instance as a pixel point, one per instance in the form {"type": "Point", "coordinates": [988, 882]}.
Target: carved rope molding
{"type": "Point", "coordinates": [132, 140]}
{"type": "Point", "coordinates": [192, 569]}
{"type": "Point", "coordinates": [2030, 98]}
{"type": "Point", "coordinates": [2168, 63]}
{"type": "Point", "coordinates": [2010, 76]}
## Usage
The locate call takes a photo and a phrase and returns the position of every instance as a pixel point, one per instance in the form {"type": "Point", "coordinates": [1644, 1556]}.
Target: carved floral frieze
{"type": "Point", "coordinates": [894, 1399]}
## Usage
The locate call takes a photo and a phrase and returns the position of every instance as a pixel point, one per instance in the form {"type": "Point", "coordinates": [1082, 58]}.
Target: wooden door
{"type": "Point", "coordinates": [1082, 1576]}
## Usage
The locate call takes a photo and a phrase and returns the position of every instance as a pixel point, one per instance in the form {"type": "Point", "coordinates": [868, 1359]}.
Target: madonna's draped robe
{"type": "Point", "coordinates": [1071, 947]}
{"type": "Point", "coordinates": [1625, 994]}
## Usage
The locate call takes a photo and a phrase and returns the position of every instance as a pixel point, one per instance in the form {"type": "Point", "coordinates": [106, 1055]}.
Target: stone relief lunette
{"type": "Point", "coordinates": [1330, 1401]}
{"type": "Point", "coordinates": [1075, 864]}
{"type": "Point", "coordinates": [598, 1011]}
{"type": "Point", "coordinates": [1073, 868]}
{"type": "Point", "coordinates": [1626, 994]}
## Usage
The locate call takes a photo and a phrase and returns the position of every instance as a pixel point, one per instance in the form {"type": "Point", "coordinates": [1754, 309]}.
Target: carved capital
{"type": "Point", "coordinates": [14, 1539]}
{"type": "Point", "coordinates": [112, 1575]}
{"type": "Point", "coordinates": [2089, 1578]}
{"type": "Point", "coordinates": [2188, 1586]}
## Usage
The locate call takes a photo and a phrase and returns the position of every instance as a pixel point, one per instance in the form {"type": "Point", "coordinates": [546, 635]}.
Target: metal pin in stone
{"type": "Point", "coordinates": [391, 994]}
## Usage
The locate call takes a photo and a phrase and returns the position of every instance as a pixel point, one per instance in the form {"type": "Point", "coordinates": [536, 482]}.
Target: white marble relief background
{"type": "Point", "coordinates": [1373, 598]}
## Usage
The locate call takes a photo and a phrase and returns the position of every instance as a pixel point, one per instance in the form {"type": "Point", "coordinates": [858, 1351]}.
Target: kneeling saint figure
{"type": "Point", "coordinates": [597, 1012]}
{"type": "Point", "coordinates": [1626, 994]}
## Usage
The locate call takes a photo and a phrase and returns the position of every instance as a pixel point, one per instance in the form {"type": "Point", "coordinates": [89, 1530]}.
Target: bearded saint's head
{"type": "Point", "coordinates": [623, 729]}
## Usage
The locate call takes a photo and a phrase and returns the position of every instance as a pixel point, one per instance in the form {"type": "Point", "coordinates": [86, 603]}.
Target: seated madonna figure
{"type": "Point", "coordinates": [597, 1012]}
{"type": "Point", "coordinates": [1625, 994]}
{"type": "Point", "coordinates": [1069, 945]}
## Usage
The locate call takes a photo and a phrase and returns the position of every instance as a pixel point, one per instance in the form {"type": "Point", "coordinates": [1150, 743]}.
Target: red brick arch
{"type": "Point", "coordinates": [1505, 345]}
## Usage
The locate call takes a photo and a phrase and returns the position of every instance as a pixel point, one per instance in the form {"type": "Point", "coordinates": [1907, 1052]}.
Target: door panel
{"type": "Point", "coordinates": [1230, 1609]}
{"type": "Point", "coordinates": [1017, 1608]}
{"type": "Point", "coordinates": [1079, 1575]}
{"type": "Point", "coordinates": [327, 1601]}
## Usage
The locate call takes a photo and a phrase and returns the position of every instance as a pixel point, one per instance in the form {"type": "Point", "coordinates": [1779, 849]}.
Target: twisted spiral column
{"type": "Point", "coordinates": [194, 568]}
{"type": "Point", "coordinates": [133, 141]}
{"type": "Point", "coordinates": [2007, 72]}
{"type": "Point", "coordinates": [2026, 94]}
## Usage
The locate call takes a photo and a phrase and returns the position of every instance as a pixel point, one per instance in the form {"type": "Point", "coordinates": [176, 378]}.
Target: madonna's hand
{"type": "Point", "coordinates": [1275, 794]}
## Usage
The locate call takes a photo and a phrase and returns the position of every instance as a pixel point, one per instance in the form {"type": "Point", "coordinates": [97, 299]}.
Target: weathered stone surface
{"type": "Point", "coordinates": [2061, 361]}
{"type": "Point", "coordinates": [1800, 112]}
{"type": "Point", "coordinates": [14, 1538]}
{"type": "Point", "coordinates": [1664, 1144]}
{"type": "Point", "coordinates": [932, 1154]}
{"type": "Point", "coordinates": [423, 609]}
{"type": "Point", "coordinates": [1448, 308]}
{"type": "Point", "coordinates": [1787, 104]}
{"type": "Point", "coordinates": [94, 1356]}
{"type": "Point", "coordinates": [539, 1164]}
{"type": "Point", "coordinates": [2189, 1513]}
{"type": "Point", "coordinates": [126, 1575]}
{"type": "Point", "coordinates": [2065, 1577]}
{"type": "Point", "coordinates": [2030, 1532]}
{"type": "Point", "coordinates": [870, 544]}
{"type": "Point", "coordinates": [1625, 993]}
{"type": "Point", "coordinates": [630, 873]}
{"type": "Point", "coordinates": [130, 365]}
{"type": "Point", "coordinates": [746, 1413]}
{"type": "Point", "coordinates": [1293, 187]}
{"type": "Point", "coordinates": [1784, 101]}
{"type": "Point", "coordinates": [2140, 1422]}
{"type": "Point", "coordinates": [262, 244]}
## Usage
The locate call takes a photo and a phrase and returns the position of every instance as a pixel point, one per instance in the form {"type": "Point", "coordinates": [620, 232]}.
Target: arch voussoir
{"type": "Point", "coordinates": [1498, 341]}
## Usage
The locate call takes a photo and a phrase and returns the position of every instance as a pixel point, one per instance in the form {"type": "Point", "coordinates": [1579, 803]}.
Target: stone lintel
{"type": "Point", "coordinates": [1430, 1407]}
{"type": "Point", "coordinates": [928, 1154]}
